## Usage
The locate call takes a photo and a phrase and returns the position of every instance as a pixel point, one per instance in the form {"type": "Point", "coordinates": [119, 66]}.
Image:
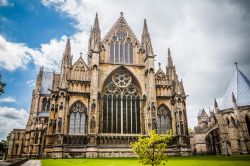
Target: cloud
{"type": "Point", "coordinates": [11, 118]}
{"type": "Point", "coordinates": [4, 3]}
{"type": "Point", "coordinates": [206, 38]}
{"type": "Point", "coordinates": [8, 100]}
{"type": "Point", "coordinates": [13, 55]}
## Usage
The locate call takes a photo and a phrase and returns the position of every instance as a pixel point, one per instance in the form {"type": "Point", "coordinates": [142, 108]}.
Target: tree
{"type": "Point", "coordinates": [152, 150]}
{"type": "Point", "coordinates": [2, 85]}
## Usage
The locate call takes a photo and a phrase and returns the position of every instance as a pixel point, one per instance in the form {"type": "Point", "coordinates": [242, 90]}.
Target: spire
{"type": "Point", "coordinates": [66, 64]}
{"type": "Point", "coordinates": [216, 108]}
{"type": "Point", "coordinates": [234, 100]}
{"type": "Point", "coordinates": [95, 35]}
{"type": "Point", "coordinates": [96, 24]}
{"type": "Point", "coordinates": [67, 58]}
{"type": "Point", "coordinates": [215, 103]}
{"type": "Point", "coordinates": [145, 28]}
{"type": "Point", "coordinates": [67, 50]}
{"type": "Point", "coordinates": [170, 61]}
{"type": "Point", "coordinates": [182, 87]}
{"type": "Point", "coordinates": [146, 40]}
{"type": "Point", "coordinates": [236, 65]}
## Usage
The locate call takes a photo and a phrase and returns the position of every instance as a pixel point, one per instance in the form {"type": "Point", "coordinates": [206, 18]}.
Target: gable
{"type": "Point", "coordinates": [120, 27]}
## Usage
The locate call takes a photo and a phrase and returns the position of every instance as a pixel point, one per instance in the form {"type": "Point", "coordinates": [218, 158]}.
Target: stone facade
{"type": "Point", "coordinates": [96, 109]}
{"type": "Point", "coordinates": [226, 130]}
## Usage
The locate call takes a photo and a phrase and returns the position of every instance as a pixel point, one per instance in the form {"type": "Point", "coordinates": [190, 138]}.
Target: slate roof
{"type": "Point", "coordinates": [240, 87]}
{"type": "Point", "coordinates": [202, 112]}
{"type": "Point", "coordinates": [47, 80]}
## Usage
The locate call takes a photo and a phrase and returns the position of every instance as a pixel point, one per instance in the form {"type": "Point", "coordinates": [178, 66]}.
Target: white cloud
{"type": "Point", "coordinates": [7, 100]}
{"type": "Point", "coordinates": [205, 37]}
{"type": "Point", "coordinates": [4, 3]}
{"type": "Point", "coordinates": [11, 118]}
{"type": "Point", "coordinates": [13, 55]}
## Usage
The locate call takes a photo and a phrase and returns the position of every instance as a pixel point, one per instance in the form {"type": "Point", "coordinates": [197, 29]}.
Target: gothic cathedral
{"type": "Point", "coordinates": [96, 109]}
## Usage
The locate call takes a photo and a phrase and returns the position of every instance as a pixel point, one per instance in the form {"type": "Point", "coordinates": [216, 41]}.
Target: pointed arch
{"type": "Point", "coordinates": [77, 118]}
{"type": "Point", "coordinates": [135, 80]}
{"type": "Point", "coordinates": [44, 104]}
{"type": "Point", "coordinates": [121, 103]}
{"type": "Point", "coordinates": [164, 119]}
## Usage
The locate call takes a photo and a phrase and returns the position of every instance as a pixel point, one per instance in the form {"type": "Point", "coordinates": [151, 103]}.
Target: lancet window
{"type": "Point", "coordinates": [163, 119]}
{"type": "Point", "coordinates": [121, 48]}
{"type": "Point", "coordinates": [77, 119]}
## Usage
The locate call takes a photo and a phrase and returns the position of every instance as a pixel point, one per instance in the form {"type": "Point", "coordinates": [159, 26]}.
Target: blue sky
{"type": "Point", "coordinates": [205, 38]}
{"type": "Point", "coordinates": [31, 23]}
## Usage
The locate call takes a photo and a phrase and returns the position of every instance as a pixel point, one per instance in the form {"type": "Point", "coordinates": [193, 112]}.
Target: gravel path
{"type": "Point", "coordinates": [32, 163]}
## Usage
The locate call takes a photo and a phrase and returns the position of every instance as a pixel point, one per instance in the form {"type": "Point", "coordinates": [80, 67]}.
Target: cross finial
{"type": "Point", "coordinates": [236, 65]}
{"type": "Point", "coordinates": [81, 54]}
{"type": "Point", "coordinates": [159, 65]}
{"type": "Point", "coordinates": [121, 13]}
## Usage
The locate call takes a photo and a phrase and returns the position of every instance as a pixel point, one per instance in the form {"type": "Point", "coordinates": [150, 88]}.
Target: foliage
{"type": "Point", "coordinates": [4, 144]}
{"type": "Point", "coordinates": [152, 150]}
{"type": "Point", "coordinates": [2, 85]}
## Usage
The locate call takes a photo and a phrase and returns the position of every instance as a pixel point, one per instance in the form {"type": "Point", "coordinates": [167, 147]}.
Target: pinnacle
{"type": "Point", "coordinates": [145, 27]}
{"type": "Point", "coordinates": [170, 61]}
{"type": "Point", "coordinates": [68, 47]}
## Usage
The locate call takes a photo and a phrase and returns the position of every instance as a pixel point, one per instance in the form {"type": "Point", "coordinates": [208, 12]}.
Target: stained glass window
{"type": "Point", "coordinates": [77, 119]}
{"type": "Point", "coordinates": [122, 109]}
{"type": "Point", "coordinates": [121, 48]}
{"type": "Point", "coordinates": [163, 120]}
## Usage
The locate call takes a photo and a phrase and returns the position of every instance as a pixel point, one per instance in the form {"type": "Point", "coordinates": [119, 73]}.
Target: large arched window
{"type": "Point", "coordinates": [121, 105]}
{"type": "Point", "coordinates": [121, 48]}
{"type": "Point", "coordinates": [77, 119]}
{"type": "Point", "coordinates": [163, 119]}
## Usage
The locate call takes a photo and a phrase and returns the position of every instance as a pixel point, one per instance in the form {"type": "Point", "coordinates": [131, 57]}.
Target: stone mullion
{"type": "Point", "coordinates": [121, 114]}
{"type": "Point", "coordinates": [131, 114]}
{"type": "Point", "coordinates": [136, 115]}
{"type": "Point", "coordinates": [112, 109]}
{"type": "Point", "coordinates": [107, 115]}
{"type": "Point", "coordinates": [126, 115]}
{"type": "Point", "coordinates": [117, 110]}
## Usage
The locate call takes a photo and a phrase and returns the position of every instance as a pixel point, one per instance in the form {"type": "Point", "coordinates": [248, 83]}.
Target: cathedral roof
{"type": "Point", "coordinates": [81, 61]}
{"type": "Point", "coordinates": [202, 112]}
{"type": "Point", "coordinates": [240, 87]}
{"type": "Point", "coordinates": [121, 24]}
{"type": "Point", "coordinates": [47, 80]}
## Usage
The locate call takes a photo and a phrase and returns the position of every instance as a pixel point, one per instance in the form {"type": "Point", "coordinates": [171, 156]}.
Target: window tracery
{"type": "Point", "coordinates": [163, 119]}
{"type": "Point", "coordinates": [121, 48]}
{"type": "Point", "coordinates": [77, 119]}
{"type": "Point", "coordinates": [121, 105]}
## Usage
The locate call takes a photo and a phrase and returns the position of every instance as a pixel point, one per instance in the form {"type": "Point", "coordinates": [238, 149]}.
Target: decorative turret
{"type": "Point", "coordinates": [171, 73]}
{"type": "Point", "coordinates": [146, 40]}
{"type": "Point", "coordinates": [95, 36]}
{"type": "Point", "coordinates": [39, 81]}
{"type": "Point", "coordinates": [66, 65]}
{"type": "Point", "coordinates": [202, 118]}
{"type": "Point", "coordinates": [216, 108]}
{"type": "Point", "coordinates": [181, 87]}
{"type": "Point", "coordinates": [170, 61]}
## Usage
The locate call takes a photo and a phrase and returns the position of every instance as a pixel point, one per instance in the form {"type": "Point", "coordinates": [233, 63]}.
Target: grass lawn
{"type": "Point", "coordinates": [172, 161]}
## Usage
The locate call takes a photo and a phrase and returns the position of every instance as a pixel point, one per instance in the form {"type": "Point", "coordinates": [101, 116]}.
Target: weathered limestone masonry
{"type": "Point", "coordinates": [96, 109]}
{"type": "Point", "coordinates": [226, 130]}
